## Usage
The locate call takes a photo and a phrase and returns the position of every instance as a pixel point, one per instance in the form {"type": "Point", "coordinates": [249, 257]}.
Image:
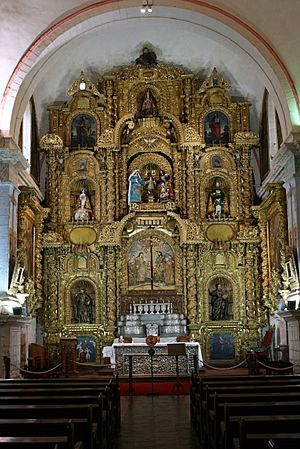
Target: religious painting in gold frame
{"type": "Point", "coordinates": [151, 265]}
{"type": "Point", "coordinates": [29, 245]}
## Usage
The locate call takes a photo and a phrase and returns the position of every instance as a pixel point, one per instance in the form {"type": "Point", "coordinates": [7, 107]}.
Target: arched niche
{"type": "Point", "coordinates": [156, 179]}
{"type": "Point", "coordinates": [148, 104]}
{"type": "Point", "coordinates": [217, 198]}
{"type": "Point", "coordinates": [220, 299]}
{"type": "Point", "coordinates": [82, 302]}
{"type": "Point", "coordinates": [82, 199]}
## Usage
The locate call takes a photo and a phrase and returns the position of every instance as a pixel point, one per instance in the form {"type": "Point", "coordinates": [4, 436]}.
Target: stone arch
{"type": "Point", "coordinates": [32, 61]}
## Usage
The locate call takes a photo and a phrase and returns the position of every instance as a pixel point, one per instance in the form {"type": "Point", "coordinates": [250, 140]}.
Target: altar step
{"type": "Point", "coordinates": [161, 385]}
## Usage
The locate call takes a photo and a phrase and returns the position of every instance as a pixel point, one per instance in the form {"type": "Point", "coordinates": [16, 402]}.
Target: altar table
{"type": "Point", "coordinates": [162, 362]}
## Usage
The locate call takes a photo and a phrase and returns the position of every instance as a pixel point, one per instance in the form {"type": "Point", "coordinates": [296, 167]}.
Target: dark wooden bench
{"type": "Point", "coordinates": [68, 391]}
{"type": "Point", "coordinates": [208, 412]}
{"type": "Point", "coordinates": [200, 384]}
{"type": "Point", "coordinates": [84, 428]}
{"type": "Point", "coordinates": [54, 410]}
{"type": "Point", "coordinates": [260, 438]}
{"type": "Point", "coordinates": [270, 419]}
{"type": "Point", "coordinates": [19, 387]}
{"type": "Point", "coordinates": [55, 440]}
{"type": "Point", "coordinates": [215, 413]}
{"type": "Point", "coordinates": [63, 411]}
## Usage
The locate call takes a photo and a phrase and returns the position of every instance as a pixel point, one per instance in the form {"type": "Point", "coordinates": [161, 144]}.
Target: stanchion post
{"type": "Point", "coordinates": [151, 353]}
{"type": "Point", "coordinates": [130, 386]}
{"type": "Point", "coordinates": [6, 361]}
{"type": "Point", "coordinates": [196, 363]}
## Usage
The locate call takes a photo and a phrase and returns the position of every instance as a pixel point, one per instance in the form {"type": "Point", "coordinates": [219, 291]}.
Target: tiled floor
{"type": "Point", "coordinates": [156, 422]}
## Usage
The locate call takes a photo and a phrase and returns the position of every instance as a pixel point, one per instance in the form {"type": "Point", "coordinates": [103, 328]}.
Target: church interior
{"type": "Point", "coordinates": [149, 171]}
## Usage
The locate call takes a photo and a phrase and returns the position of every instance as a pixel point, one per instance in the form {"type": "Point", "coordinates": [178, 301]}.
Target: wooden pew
{"type": "Point", "coordinates": [65, 440]}
{"type": "Point", "coordinates": [215, 414]}
{"type": "Point", "coordinates": [209, 413]}
{"type": "Point", "coordinates": [84, 428]}
{"type": "Point", "coordinates": [200, 383]}
{"type": "Point", "coordinates": [264, 416]}
{"type": "Point", "coordinates": [68, 390]}
{"type": "Point", "coordinates": [70, 385]}
{"type": "Point", "coordinates": [62, 411]}
{"type": "Point", "coordinates": [204, 385]}
{"type": "Point", "coordinates": [248, 438]}
{"type": "Point", "coordinates": [66, 396]}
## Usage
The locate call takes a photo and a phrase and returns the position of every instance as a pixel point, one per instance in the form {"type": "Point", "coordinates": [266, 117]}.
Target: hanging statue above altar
{"type": "Point", "coordinates": [147, 58]}
{"type": "Point", "coordinates": [84, 211]}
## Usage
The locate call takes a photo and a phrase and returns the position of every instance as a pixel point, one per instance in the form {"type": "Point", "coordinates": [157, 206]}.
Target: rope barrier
{"type": "Point", "coordinates": [94, 365]}
{"type": "Point", "coordinates": [36, 372]}
{"type": "Point", "coordinates": [228, 368]}
{"type": "Point", "coordinates": [275, 368]}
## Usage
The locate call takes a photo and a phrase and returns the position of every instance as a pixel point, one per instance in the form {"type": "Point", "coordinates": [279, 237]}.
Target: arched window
{"type": "Point", "coordinates": [28, 141]}
{"type": "Point", "coordinates": [264, 136]}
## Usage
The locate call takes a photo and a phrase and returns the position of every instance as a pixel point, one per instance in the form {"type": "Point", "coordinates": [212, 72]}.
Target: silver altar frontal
{"type": "Point", "coordinates": [163, 361]}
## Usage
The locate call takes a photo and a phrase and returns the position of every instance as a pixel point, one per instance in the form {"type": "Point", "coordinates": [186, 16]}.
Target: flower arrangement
{"type": "Point", "coordinates": [151, 340]}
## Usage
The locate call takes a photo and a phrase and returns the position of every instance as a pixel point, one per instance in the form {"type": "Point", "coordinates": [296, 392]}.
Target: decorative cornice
{"type": "Point", "coordinates": [51, 141]}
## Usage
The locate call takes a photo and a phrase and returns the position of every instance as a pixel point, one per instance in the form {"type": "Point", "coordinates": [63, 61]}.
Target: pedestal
{"type": "Point", "coordinates": [292, 318]}
{"type": "Point", "coordinates": [68, 356]}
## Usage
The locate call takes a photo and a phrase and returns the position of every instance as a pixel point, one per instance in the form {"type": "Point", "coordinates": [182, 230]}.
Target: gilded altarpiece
{"type": "Point", "coordinates": [149, 190]}
{"type": "Point", "coordinates": [275, 250]}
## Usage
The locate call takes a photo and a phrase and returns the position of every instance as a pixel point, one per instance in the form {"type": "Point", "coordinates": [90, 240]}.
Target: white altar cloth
{"type": "Point", "coordinates": [109, 351]}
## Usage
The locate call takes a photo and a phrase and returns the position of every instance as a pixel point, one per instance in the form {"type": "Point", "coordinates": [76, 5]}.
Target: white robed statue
{"type": "Point", "coordinates": [84, 211]}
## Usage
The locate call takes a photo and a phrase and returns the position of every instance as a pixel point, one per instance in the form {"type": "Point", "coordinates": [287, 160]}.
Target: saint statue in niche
{"type": "Point", "coordinates": [148, 107]}
{"type": "Point", "coordinates": [126, 132]}
{"type": "Point", "coordinates": [83, 306]}
{"type": "Point", "coordinates": [217, 202]}
{"type": "Point", "coordinates": [220, 300]}
{"type": "Point", "coordinates": [84, 209]}
{"type": "Point", "coordinates": [136, 184]}
{"type": "Point", "coordinates": [165, 187]}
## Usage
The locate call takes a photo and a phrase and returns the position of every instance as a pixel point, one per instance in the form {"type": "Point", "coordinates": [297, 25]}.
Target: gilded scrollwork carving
{"type": "Point", "coordinates": [159, 120]}
{"type": "Point", "coordinates": [51, 141]}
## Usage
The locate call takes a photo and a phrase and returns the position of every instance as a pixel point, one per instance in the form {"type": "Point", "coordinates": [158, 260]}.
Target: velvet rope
{"type": "Point", "coordinates": [275, 368]}
{"type": "Point", "coordinates": [230, 367]}
{"type": "Point", "coordinates": [36, 372]}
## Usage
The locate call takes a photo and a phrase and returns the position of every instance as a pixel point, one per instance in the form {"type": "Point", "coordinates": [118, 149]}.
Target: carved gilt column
{"type": "Point", "coordinates": [109, 88]}
{"type": "Point", "coordinates": [110, 189]}
{"type": "Point", "coordinates": [52, 145]}
{"type": "Point", "coordinates": [111, 286]}
{"type": "Point", "coordinates": [191, 284]}
{"type": "Point", "coordinates": [51, 308]}
{"type": "Point", "coordinates": [190, 184]}
{"type": "Point", "coordinates": [251, 300]}
{"type": "Point", "coordinates": [244, 141]}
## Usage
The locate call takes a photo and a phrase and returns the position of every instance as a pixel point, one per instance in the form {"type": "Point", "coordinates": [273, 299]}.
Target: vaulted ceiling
{"type": "Point", "coordinates": [45, 44]}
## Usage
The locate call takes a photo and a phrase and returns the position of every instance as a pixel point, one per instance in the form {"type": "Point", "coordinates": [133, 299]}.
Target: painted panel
{"type": "Point", "coordinates": [83, 132]}
{"type": "Point", "coordinates": [222, 347]}
{"type": "Point", "coordinates": [86, 349]}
